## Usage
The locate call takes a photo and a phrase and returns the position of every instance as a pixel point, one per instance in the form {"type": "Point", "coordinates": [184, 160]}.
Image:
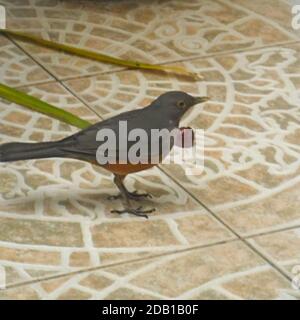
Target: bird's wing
{"type": "Point", "coordinates": [84, 144]}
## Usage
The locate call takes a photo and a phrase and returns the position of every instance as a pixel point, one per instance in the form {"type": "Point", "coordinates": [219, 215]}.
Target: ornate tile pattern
{"type": "Point", "coordinates": [55, 215]}
{"type": "Point", "coordinates": [153, 31]}
{"type": "Point", "coordinates": [228, 271]}
{"type": "Point", "coordinates": [17, 68]}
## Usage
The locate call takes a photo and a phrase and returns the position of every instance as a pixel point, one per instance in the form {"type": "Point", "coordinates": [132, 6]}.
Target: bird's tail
{"type": "Point", "coordinates": [25, 151]}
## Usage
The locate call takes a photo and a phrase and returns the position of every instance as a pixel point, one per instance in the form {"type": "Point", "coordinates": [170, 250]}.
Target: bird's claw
{"type": "Point", "coordinates": [137, 212]}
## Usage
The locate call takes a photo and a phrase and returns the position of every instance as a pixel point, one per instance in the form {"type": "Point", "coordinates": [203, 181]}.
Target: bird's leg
{"type": "Point", "coordinates": [126, 195]}
{"type": "Point", "coordinates": [131, 195]}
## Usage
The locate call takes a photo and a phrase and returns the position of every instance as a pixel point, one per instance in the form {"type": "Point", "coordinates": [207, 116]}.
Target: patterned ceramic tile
{"type": "Point", "coordinates": [111, 94]}
{"type": "Point", "coordinates": [264, 214]}
{"type": "Point", "coordinates": [282, 248]}
{"type": "Point", "coordinates": [17, 68]}
{"type": "Point", "coordinates": [276, 11]}
{"type": "Point", "coordinates": [227, 271]}
{"type": "Point", "coordinates": [23, 124]}
{"type": "Point", "coordinates": [151, 31]}
{"type": "Point", "coordinates": [55, 213]}
{"type": "Point", "coordinates": [251, 124]}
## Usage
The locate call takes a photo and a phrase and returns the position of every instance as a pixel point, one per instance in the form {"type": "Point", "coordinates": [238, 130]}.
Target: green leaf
{"type": "Point", "coordinates": [35, 104]}
{"type": "Point", "coordinates": [99, 56]}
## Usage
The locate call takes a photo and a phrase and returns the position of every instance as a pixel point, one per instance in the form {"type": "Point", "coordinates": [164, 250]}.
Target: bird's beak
{"type": "Point", "coordinates": [201, 99]}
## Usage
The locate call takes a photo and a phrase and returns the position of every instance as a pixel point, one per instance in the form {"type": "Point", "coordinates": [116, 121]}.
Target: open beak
{"type": "Point", "coordinates": [201, 99]}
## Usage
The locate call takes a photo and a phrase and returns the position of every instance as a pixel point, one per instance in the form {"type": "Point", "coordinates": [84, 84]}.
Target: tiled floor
{"type": "Point", "coordinates": [232, 232]}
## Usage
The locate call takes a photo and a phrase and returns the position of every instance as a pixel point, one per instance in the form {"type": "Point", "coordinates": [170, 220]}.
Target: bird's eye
{"type": "Point", "coordinates": [181, 104]}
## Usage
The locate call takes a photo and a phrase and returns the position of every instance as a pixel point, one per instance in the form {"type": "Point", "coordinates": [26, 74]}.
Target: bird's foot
{"type": "Point", "coordinates": [137, 212]}
{"type": "Point", "coordinates": [136, 196]}
{"type": "Point", "coordinates": [131, 195]}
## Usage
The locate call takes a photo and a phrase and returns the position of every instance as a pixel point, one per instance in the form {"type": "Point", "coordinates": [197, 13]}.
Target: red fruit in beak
{"type": "Point", "coordinates": [185, 138]}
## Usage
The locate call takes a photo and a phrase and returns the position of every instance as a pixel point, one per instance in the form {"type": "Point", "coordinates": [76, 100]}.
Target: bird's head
{"type": "Point", "coordinates": [174, 104]}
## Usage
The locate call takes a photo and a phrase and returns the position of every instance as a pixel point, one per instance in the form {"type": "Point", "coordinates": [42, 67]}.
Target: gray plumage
{"type": "Point", "coordinates": [163, 113]}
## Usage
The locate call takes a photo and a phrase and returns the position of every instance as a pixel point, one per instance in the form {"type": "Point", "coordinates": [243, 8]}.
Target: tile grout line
{"type": "Point", "coordinates": [114, 264]}
{"type": "Point", "coordinates": [56, 80]}
{"type": "Point", "coordinates": [39, 83]}
{"type": "Point", "coordinates": [240, 237]}
{"type": "Point", "coordinates": [264, 233]}
{"type": "Point", "coordinates": [81, 100]}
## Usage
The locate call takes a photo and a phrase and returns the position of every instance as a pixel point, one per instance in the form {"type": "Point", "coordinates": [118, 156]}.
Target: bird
{"type": "Point", "coordinates": [165, 112]}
